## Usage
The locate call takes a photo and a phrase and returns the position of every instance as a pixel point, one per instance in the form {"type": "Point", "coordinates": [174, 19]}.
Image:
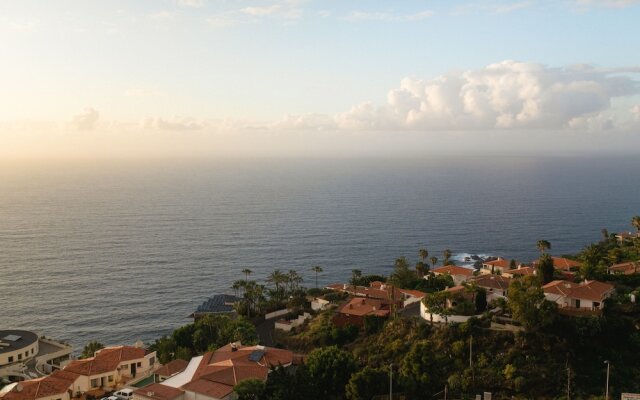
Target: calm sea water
{"type": "Point", "coordinates": [120, 251]}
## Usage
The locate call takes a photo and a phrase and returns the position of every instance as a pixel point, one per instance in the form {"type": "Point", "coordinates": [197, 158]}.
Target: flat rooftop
{"type": "Point", "coordinates": [16, 340]}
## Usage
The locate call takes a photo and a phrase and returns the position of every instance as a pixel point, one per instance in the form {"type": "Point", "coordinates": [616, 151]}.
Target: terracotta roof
{"type": "Point", "coordinates": [219, 371]}
{"type": "Point", "coordinates": [561, 263]}
{"type": "Point", "coordinates": [54, 384]}
{"type": "Point", "coordinates": [172, 367]}
{"type": "Point", "coordinates": [498, 282]}
{"type": "Point", "coordinates": [587, 290]}
{"type": "Point", "coordinates": [500, 263]}
{"type": "Point", "coordinates": [105, 360]}
{"type": "Point", "coordinates": [627, 268]}
{"type": "Point", "coordinates": [524, 271]}
{"type": "Point", "coordinates": [453, 270]}
{"type": "Point", "coordinates": [157, 391]}
{"type": "Point", "coordinates": [361, 307]}
{"type": "Point", "coordinates": [412, 293]}
{"type": "Point", "coordinates": [363, 291]}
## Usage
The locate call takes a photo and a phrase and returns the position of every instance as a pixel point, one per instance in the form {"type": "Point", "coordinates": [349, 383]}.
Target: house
{"type": "Point", "coordinates": [319, 304]}
{"type": "Point", "coordinates": [157, 391]}
{"type": "Point", "coordinates": [354, 311]}
{"type": "Point", "coordinates": [496, 286]}
{"type": "Point", "coordinates": [562, 264]}
{"type": "Point", "coordinates": [111, 367]}
{"type": "Point", "coordinates": [459, 274]}
{"type": "Point", "coordinates": [25, 354]}
{"type": "Point", "coordinates": [627, 268]}
{"type": "Point", "coordinates": [218, 304]}
{"type": "Point", "coordinates": [57, 386]}
{"type": "Point", "coordinates": [497, 266]}
{"type": "Point", "coordinates": [170, 369]}
{"type": "Point", "coordinates": [407, 296]}
{"type": "Point", "coordinates": [627, 236]}
{"type": "Point", "coordinates": [213, 375]}
{"type": "Point", "coordinates": [288, 324]}
{"type": "Point", "coordinates": [588, 295]}
{"type": "Point", "coordinates": [519, 272]}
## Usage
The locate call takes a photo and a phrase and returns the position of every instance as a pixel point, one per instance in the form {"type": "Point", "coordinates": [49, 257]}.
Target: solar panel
{"type": "Point", "coordinates": [12, 338]}
{"type": "Point", "coordinates": [256, 355]}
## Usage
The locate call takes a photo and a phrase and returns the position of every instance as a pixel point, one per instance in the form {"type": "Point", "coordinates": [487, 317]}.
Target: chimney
{"type": "Point", "coordinates": [234, 347]}
{"type": "Point", "coordinates": [344, 286]}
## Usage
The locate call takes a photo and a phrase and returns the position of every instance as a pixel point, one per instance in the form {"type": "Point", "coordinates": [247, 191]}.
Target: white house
{"type": "Point", "coordinates": [459, 274]}
{"type": "Point", "coordinates": [588, 295]}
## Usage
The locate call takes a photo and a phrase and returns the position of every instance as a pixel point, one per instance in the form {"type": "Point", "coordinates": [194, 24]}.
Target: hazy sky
{"type": "Point", "coordinates": [326, 77]}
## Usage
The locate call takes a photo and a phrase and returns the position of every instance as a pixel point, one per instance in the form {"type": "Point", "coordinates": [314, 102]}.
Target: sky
{"type": "Point", "coordinates": [338, 78]}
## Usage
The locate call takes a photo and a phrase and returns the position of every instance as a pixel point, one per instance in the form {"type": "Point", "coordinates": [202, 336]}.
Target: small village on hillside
{"type": "Point", "coordinates": [562, 327]}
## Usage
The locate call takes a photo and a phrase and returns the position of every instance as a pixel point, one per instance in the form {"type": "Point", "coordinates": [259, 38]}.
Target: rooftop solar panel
{"type": "Point", "coordinates": [256, 355]}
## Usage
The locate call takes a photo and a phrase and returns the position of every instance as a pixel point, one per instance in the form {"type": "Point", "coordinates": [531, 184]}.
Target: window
{"type": "Point", "coordinates": [152, 360]}
{"type": "Point", "coordinates": [31, 351]}
{"type": "Point", "coordinates": [124, 366]}
{"type": "Point", "coordinates": [20, 356]}
{"type": "Point", "coordinates": [94, 383]}
{"type": "Point", "coordinates": [110, 378]}
{"type": "Point", "coordinates": [11, 359]}
{"type": "Point", "coordinates": [139, 365]}
{"type": "Point", "coordinates": [26, 354]}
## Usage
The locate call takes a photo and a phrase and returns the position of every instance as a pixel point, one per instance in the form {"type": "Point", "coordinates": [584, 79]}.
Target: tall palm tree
{"type": "Point", "coordinates": [423, 254]}
{"type": "Point", "coordinates": [635, 221]}
{"type": "Point", "coordinates": [277, 278]}
{"type": "Point", "coordinates": [543, 245]}
{"type": "Point", "coordinates": [446, 254]}
{"type": "Point", "coordinates": [237, 285]}
{"type": "Point", "coordinates": [294, 280]}
{"type": "Point", "coordinates": [420, 269]}
{"type": "Point", "coordinates": [317, 269]}
{"type": "Point", "coordinates": [246, 273]}
{"type": "Point", "coordinates": [355, 274]}
{"type": "Point", "coordinates": [434, 261]}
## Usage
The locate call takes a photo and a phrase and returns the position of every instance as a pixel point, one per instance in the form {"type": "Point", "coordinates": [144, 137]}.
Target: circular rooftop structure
{"type": "Point", "coordinates": [17, 345]}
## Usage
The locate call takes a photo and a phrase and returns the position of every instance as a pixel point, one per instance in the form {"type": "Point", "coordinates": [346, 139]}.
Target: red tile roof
{"type": "Point", "coordinates": [412, 293]}
{"type": "Point", "coordinates": [172, 367]}
{"type": "Point", "coordinates": [52, 385]}
{"type": "Point", "coordinates": [453, 270]}
{"type": "Point", "coordinates": [219, 371]}
{"type": "Point", "coordinates": [524, 271]}
{"type": "Point", "coordinates": [500, 263]}
{"type": "Point", "coordinates": [562, 264]}
{"type": "Point", "coordinates": [363, 291]}
{"type": "Point", "coordinates": [105, 360]}
{"type": "Point", "coordinates": [627, 268]}
{"type": "Point", "coordinates": [157, 391]}
{"type": "Point", "coordinates": [491, 281]}
{"type": "Point", "coordinates": [360, 307]}
{"type": "Point", "coordinates": [587, 290]}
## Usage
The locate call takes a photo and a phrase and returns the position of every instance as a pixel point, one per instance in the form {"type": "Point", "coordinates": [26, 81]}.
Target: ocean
{"type": "Point", "coordinates": [117, 251]}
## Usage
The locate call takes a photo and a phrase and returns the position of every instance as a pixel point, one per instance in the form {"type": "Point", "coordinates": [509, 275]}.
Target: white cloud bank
{"type": "Point", "coordinates": [506, 95]}
{"type": "Point", "coordinates": [86, 120]}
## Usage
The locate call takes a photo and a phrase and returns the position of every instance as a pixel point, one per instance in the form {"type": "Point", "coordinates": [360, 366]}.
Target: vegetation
{"type": "Point", "coordinates": [206, 334]}
{"type": "Point", "coordinates": [90, 349]}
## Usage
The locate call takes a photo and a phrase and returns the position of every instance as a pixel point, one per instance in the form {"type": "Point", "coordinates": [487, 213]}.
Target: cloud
{"type": "Point", "coordinates": [608, 3]}
{"type": "Point", "coordinates": [141, 92]}
{"type": "Point", "coordinates": [173, 124]}
{"type": "Point", "coordinates": [506, 95]}
{"type": "Point", "coordinates": [86, 120]}
{"type": "Point", "coordinates": [190, 3]}
{"type": "Point", "coordinates": [283, 10]}
{"type": "Point", "coordinates": [384, 16]}
{"type": "Point", "coordinates": [161, 16]}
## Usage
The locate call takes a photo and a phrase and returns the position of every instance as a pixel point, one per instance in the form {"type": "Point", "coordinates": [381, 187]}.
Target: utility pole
{"type": "Point", "coordinates": [391, 381]}
{"type": "Point", "coordinates": [473, 378]}
{"type": "Point", "coordinates": [606, 395]}
{"type": "Point", "coordinates": [568, 383]}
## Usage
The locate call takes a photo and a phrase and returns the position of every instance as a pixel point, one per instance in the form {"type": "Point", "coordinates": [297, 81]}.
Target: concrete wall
{"type": "Point", "coordinates": [31, 350]}
{"type": "Point", "coordinates": [277, 313]}
{"type": "Point", "coordinates": [426, 315]}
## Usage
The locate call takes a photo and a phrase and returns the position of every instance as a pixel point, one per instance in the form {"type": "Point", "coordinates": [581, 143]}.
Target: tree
{"type": "Point", "coordinates": [420, 268]}
{"type": "Point", "coordinates": [605, 234]}
{"type": "Point", "coordinates": [277, 278]}
{"type": "Point", "coordinates": [90, 349]}
{"type": "Point", "coordinates": [420, 371]}
{"type": "Point", "coordinates": [317, 269]}
{"type": "Point", "coordinates": [446, 254]}
{"type": "Point", "coordinates": [249, 389]}
{"type": "Point", "coordinates": [423, 254]}
{"type": "Point", "coordinates": [246, 273]}
{"type": "Point", "coordinates": [294, 280]}
{"type": "Point", "coordinates": [543, 245]}
{"type": "Point", "coordinates": [528, 304]}
{"type": "Point", "coordinates": [401, 262]}
{"type": "Point", "coordinates": [591, 257]}
{"type": "Point", "coordinates": [330, 368]}
{"type": "Point", "coordinates": [367, 383]}
{"type": "Point", "coordinates": [434, 261]}
{"type": "Point", "coordinates": [237, 285]}
{"type": "Point", "coordinates": [545, 268]}
{"type": "Point", "coordinates": [355, 275]}
{"type": "Point", "coordinates": [635, 222]}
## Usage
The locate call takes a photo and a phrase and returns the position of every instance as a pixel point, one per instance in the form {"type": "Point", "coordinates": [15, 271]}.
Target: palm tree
{"type": "Point", "coordinates": [605, 234]}
{"type": "Point", "coordinates": [635, 221]}
{"type": "Point", "coordinates": [420, 269]}
{"type": "Point", "coordinates": [317, 269]}
{"type": "Point", "coordinates": [246, 273]}
{"type": "Point", "coordinates": [277, 278]}
{"type": "Point", "coordinates": [423, 254]}
{"type": "Point", "coordinates": [434, 261]}
{"type": "Point", "coordinates": [543, 245]}
{"type": "Point", "coordinates": [446, 254]}
{"type": "Point", "coordinates": [294, 280]}
{"type": "Point", "coordinates": [355, 274]}
{"type": "Point", "coordinates": [237, 285]}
